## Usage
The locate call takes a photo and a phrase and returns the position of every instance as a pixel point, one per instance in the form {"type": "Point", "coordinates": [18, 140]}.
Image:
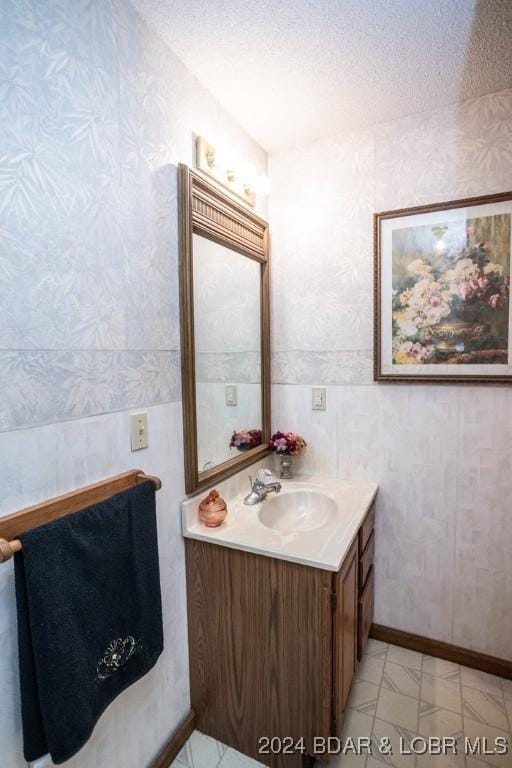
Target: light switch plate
{"type": "Point", "coordinates": [231, 394]}
{"type": "Point", "coordinates": [318, 399]}
{"type": "Point", "coordinates": [139, 431]}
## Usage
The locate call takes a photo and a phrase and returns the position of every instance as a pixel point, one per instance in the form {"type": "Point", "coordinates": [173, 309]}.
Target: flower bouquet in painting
{"type": "Point", "coordinates": [286, 445]}
{"type": "Point", "coordinates": [451, 292]}
{"type": "Point", "coordinates": [246, 439]}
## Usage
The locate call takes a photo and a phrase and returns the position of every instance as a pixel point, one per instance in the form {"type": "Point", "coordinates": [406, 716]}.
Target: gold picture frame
{"type": "Point", "coordinates": [207, 211]}
{"type": "Point", "coordinates": [442, 309]}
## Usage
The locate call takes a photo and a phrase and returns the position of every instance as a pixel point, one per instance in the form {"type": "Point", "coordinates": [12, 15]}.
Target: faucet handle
{"type": "Point", "coordinates": [264, 476]}
{"type": "Point", "coordinates": [255, 483]}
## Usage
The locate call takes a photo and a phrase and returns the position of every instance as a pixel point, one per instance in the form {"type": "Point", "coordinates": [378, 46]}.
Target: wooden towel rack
{"type": "Point", "coordinates": [13, 525]}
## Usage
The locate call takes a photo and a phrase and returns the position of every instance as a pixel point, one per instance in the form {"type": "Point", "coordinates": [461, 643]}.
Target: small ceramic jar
{"type": "Point", "coordinates": [212, 510]}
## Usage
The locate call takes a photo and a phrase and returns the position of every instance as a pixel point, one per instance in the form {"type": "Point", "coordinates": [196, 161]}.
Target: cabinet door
{"type": "Point", "coordinates": [366, 602]}
{"type": "Point", "coordinates": [259, 633]}
{"type": "Point", "coordinates": [345, 635]}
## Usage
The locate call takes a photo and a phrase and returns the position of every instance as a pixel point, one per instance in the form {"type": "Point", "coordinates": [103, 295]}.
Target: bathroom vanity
{"type": "Point", "coordinates": [280, 595]}
{"type": "Point", "coordinates": [280, 602]}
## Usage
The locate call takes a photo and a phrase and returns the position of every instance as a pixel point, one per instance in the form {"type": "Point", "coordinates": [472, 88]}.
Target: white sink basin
{"type": "Point", "coordinates": [297, 511]}
{"type": "Point", "coordinates": [313, 521]}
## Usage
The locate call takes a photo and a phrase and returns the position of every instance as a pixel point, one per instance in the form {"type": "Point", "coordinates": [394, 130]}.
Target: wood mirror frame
{"type": "Point", "coordinates": [205, 210]}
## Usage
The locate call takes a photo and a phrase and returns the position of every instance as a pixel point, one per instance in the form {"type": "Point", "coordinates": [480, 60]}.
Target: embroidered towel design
{"type": "Point", "coordinates": [118, 653]}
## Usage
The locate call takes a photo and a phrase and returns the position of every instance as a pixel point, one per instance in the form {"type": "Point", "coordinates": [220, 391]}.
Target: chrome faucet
{"type": "Point", "coordinates": [261, 487]}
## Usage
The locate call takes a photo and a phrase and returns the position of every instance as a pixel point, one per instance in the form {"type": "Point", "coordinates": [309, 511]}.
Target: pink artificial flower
{"type": "Point", "coordinates": [245, 439]}
{"type": "Point", "coordinates": [289, 443]}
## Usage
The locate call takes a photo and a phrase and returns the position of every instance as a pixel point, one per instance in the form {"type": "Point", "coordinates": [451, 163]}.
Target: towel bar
{"type": "Point", "coordinates": [13, 525]}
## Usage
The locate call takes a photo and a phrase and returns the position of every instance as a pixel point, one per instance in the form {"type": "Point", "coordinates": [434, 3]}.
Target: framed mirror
{"type": "Point", "coordinates": [225, 332]}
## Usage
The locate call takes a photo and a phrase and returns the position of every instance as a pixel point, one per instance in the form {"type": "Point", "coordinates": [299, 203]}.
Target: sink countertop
{"type": "Point", "coordinates": [323, 547]}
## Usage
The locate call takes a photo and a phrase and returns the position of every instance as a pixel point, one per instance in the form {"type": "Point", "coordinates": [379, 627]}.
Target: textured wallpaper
{"type": "Point", "coordinates": [227, 315]}
{"type": "Point", "coordinates": [227, 330]}
{"type": "Point", "coordinates": [441, 454]}
{"type": "Point", "coordinates": [96, 113]}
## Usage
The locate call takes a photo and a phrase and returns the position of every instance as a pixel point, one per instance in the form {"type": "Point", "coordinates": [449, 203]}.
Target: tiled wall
{"type": "Point", "coordinates": [40, 462]}
{"type": "Point", "coordinates": [217, 421]}
{"type": "Point", "coordinates": [441, 454]}
{"type": "Point", "coordinates": [95, 115]}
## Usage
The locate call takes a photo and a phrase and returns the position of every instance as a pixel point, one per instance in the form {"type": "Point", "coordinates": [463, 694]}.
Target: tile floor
{"type": "Point", "coordinates": [400, 694]}
{"type": "Point", "coordinates": [202, 751]}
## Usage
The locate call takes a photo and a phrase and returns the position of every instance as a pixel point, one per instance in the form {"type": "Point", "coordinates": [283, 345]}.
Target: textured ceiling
{"type": "Point", "coordinates": [290, 71]}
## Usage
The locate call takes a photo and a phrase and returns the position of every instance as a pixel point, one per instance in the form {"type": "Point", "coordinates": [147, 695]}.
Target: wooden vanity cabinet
{"type": "Point", "coordinates": [366, 588]}
{"type": "Point", "coordinates": [273, 647]}
{"type": "Point", "coordinates": [344, 635]}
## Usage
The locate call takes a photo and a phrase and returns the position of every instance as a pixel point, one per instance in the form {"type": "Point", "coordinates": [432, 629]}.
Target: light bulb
{"type": "Point", "coordinates": [225, 158]}
{"type": "Point", "coordinates": [247, 173]}
{"type": "Point", "coordinates": [261, 185]}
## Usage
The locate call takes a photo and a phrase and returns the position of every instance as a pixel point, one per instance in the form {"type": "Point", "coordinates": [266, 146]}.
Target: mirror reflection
{"type": "Point", "coordinates": [227, 328]}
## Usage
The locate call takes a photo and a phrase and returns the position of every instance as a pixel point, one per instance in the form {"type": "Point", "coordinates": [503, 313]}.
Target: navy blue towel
{"type": "Point", "coordinates": [89, 617]}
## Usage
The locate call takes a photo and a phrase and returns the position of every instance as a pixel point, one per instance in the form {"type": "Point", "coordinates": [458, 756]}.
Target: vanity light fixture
{"type": "Point", "coordinates": [242, 179]}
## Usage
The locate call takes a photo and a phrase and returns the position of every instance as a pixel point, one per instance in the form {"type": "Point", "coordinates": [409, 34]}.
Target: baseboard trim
{"type": "Point", "coordinates": [175, 743]}
{"type": "Point", "coordinates": [467, 658]}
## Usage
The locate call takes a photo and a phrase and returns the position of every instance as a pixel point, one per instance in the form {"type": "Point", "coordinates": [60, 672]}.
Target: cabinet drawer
{"type": "Point", "coordinates": [366, 529]}
{"type": "Point", "coordinates": [366, 560]}
{"type": "Point", "coordinates": [365, 614]}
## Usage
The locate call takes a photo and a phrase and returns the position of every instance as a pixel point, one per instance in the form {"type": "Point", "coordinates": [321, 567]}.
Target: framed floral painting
{"type": "Point", "coordinates": [442, 292]}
